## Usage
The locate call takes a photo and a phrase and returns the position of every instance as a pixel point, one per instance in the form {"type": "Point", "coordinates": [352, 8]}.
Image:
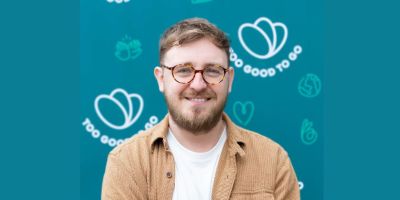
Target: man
{"type": "Point", "coordinates": [196, 152]}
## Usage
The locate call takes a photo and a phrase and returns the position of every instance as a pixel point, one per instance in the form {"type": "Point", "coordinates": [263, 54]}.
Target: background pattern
{"type": "Point", "coordinates": [276, 51]}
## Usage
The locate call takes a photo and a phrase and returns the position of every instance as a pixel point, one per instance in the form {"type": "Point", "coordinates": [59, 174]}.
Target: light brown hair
{"type": "Point", "coordinates": [191, 30]}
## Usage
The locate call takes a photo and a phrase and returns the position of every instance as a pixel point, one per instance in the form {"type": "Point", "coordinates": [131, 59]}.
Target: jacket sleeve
{"type": "Point", "coordinates": [286, 185]}
{"type": "Point", "coordinates": [119, 182]}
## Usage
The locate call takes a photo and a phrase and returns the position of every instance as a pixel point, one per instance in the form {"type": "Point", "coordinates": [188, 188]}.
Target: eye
{"type": "Point", "coordinates": [183, 70]}
{"type": "Point", "coordinates": [213, 71]}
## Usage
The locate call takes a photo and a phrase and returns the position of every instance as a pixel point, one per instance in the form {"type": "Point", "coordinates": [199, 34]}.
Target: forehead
{"type": "Point", "coordinates": [198, 52]}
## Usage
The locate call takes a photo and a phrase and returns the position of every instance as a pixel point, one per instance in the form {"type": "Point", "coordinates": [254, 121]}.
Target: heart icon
{"type": "Point", "coordinates": [269, 33]}
{"type": "Point", "coordinates": [243, 112]}
{"type": "Point", "coordinates": [122, 102]}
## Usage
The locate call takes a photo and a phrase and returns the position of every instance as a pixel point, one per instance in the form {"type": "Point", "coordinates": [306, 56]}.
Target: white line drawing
{"type": "Point", "coordinates": [129, 118]}
{"type": "Point", "coordinates": [269, 71]}
{"type": "Point", "coordinates": [109, 140]}
{"type": "Point", "coordinates": [118, 1]}
{"type": "Point", "coordinates": [273, 47]}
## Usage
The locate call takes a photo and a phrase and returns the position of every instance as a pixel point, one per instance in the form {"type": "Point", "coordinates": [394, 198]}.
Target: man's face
{"type": "Point", "coordinates": [195, 106]}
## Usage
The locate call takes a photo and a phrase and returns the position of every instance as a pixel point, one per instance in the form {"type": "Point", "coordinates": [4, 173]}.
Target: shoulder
{"type": "Point", "coordinates": [262, 162]}
{"type": "Point", "coordinates": [128, 167]}
{"type": "Point", "coordinates": [133, 149]}
{"type": "Point", "coordinates": [256, 143]}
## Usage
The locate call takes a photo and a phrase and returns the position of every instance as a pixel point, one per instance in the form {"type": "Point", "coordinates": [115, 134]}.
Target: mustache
{"type": "Point", "coordinates": [199, 94]}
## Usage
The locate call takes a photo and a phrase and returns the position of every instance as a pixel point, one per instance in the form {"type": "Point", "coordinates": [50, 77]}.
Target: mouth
{"type": "Point", "coordinates": [197, 100]}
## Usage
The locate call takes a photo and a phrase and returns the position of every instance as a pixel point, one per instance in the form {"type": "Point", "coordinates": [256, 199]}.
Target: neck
{"type": "Point", "coordinates": [199, 142]}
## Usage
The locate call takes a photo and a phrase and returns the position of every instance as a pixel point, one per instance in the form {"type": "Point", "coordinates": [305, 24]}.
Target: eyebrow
{"type": "Point", "coordinates": [205, 65]}
{"type": "Point", "coordinates": [210, 64]}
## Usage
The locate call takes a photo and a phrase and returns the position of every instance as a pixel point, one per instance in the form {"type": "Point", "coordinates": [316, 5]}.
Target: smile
{"type": "Point", "coordinates": [197, 100]}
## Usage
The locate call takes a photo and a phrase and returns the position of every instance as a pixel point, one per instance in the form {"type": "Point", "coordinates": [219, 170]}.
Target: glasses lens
{"type": "Point", "coordinates": [213, 74]}
{"type": "Point", "coordinates": [183, 73]}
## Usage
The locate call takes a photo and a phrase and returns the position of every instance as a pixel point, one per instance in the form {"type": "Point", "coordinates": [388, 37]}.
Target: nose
{"type": "Point", "coordinates": [198, 82]}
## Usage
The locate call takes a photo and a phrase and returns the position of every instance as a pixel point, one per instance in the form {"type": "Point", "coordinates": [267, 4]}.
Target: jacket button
{"type": "Point", "coordinates": [169, 174]}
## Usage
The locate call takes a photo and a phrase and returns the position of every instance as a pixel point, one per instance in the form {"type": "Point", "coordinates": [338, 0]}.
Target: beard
{"type": "Point", "coordinates": [200, 120]}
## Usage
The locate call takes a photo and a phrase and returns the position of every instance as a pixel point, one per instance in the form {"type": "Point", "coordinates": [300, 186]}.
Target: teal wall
{"type": "Point", "coordinates": [119, 49]}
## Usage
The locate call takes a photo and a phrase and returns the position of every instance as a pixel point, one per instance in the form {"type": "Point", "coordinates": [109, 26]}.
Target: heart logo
{"type": "Point", "coordinates": [122, 102]}
{"type": "Point", "coordinates": [269, 33]}
{"type": "Point", "coordinates": [243, 112]}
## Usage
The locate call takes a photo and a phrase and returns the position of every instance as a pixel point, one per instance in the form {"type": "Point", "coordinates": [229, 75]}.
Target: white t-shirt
{"type": "Point", "coordinates": [194, 172]}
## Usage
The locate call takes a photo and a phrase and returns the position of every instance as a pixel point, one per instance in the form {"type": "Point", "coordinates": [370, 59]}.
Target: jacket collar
{"type": "Point", "coordinates": [236, 140]}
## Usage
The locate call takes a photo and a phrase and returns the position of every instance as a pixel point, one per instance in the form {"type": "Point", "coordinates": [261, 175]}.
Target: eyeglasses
{"type": "Point", "coordinates": [184, 73]}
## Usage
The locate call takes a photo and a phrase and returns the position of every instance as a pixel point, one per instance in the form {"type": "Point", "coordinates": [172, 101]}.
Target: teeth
{"type": "Point", "coordinates": [198, 100]}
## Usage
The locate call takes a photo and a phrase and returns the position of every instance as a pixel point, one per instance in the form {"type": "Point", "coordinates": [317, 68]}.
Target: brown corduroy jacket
{"type": "Point", "coordinates": [251, 166]}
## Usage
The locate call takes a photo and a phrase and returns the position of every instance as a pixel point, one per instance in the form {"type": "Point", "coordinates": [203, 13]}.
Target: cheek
{"type": "Point", "coordinates": [222, 91]}
{"type": "Point", "coordinates": [172, 90]}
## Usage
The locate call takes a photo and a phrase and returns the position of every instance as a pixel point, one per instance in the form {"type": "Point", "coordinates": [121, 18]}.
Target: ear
{"type": "Point", "coordinates": [231, 73]}
{"type": "Point", "coordinates": [158, 73]}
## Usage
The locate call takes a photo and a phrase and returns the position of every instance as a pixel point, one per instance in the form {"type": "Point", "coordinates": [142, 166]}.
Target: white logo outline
{"type": "Point", "coordinates": [128, 115]}
{"type": "Point", "coordinates": [118, 1]}
{"type": "Point", "coordinates": [272, 47]}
